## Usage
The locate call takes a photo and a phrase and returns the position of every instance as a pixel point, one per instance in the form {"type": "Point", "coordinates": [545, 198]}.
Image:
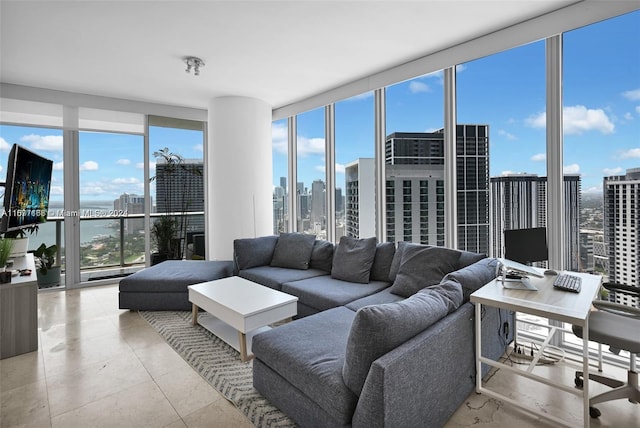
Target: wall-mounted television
{"type": "Point", "coordinates": [26, 192]}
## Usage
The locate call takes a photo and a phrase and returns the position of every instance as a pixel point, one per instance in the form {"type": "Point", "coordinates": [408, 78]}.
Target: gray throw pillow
{"type": "Point", "coordinates": [353, 258]}
{"type": "Point", "coordinates": [322, 255]}
{"type": "Point", "coordinates": [474, 276]}
{"type": "Point", "coordinates": [397, 258]}
{"type": "Point", "coordinates": [252, 252]}
{"type": "Point", "coordinates": [293, 250]}
{"type": "Point", "coordinates": [382, 261]}
{"type": "Point", "coordinates": [468, 258]}
{"type": "Point", "coordinates": [422, 266]}
{"type": "Point", "coordinates": [377, 329]}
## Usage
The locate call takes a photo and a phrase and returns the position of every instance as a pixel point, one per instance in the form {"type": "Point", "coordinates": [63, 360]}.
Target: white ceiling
{"type": "Point", "coordinates": [277, 51]}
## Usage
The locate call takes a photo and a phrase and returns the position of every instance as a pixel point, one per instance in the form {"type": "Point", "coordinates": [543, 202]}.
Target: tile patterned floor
{"type": "Point", "coordinates": [98, 366]}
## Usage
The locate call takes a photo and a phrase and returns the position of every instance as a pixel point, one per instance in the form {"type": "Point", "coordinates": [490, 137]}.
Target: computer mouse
{"type": "Point", "coordinates": [550, 272]}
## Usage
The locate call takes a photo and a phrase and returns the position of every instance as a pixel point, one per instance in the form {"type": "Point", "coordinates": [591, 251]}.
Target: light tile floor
{"type": "Point", "coordinates": [98, 366]}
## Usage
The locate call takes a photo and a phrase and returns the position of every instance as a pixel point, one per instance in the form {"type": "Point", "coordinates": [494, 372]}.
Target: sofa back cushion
{"type": "Point", "coordinates": [474, 276]}
{"type": "Point", "coordinates": [468, 258]}
{"type": "Point", "coordinates": [353, 258]}
{"type": "Point", "coordinates": [422, 266]}
{"type": "Point", "coordinates": [322, 255]}
{"type": "Point", "coordinates": [382, 261]}
{"type": "Point", "coordinates": [252, 252]}
{"type": "Point", "coordinates": [377, 329]}
{"type": "Point", "coordinates": [293, 250]}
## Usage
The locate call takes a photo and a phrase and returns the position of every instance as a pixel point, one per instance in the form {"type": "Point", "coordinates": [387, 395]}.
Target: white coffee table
{"type": "Point", "coordinates": [240, 309]}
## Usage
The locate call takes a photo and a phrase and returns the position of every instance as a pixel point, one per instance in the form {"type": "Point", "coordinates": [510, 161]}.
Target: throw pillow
{"type": "Point", "coordinates": [395, 263]}
{"type": "Point", "coordinates": [377, 329]}
{"type": "Point", "coordinates": [474, 276]}
{"type": "Point", "coordinates": [293, 250]}
{"type": "Point", "coordinates": [421, 266]}
{"type": "Point", "coordinates": [252, 252]}
{"type": "Point", "coordinates": [322, 255]}
{"type": "Point", "coordinates": [468, 258]}
{"type": "Point", "coordinates": [353, 258]}
{"type": "Point", "coordinates": [382, 261]}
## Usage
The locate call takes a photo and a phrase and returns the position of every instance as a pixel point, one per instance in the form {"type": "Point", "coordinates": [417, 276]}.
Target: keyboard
{"type": "Point", "coordinates": [568, 282]}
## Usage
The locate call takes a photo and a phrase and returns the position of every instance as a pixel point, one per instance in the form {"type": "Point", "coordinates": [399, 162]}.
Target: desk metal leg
{"type": "Point", "coordinates": [478, 327]}
{"type": "Point", "coordinates": [585, 371]}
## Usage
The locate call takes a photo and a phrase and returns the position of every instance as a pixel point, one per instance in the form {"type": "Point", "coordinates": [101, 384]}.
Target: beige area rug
{"type": "Point", "coordinates": [218, 363]}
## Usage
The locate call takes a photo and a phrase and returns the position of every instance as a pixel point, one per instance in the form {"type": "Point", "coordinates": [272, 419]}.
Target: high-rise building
{"type": "Point", "coordinates": [318, 206]}
{"type": "Point", "coordinates": [622, 231]}
{"type": "Point", "coordinates": [131, 204]}
{"type": "Point", "coordinates": [180, 188]}
{"type": "Point", "coordinates": [519, 201]}
{"type": "Point", "coordinates": [360, 198]}
{"type": "Point", "coordinates": [415, 187]}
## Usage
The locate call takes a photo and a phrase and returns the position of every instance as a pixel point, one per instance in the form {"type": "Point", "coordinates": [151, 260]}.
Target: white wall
{"type": "Point", "coordinates": [238, 173]}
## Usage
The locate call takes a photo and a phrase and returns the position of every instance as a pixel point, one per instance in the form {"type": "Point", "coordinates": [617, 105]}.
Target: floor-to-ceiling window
{"type": "Point", "coordinates": [177, 179]}
{"type": "Point", "coordinates": [311, 185]}
{"type": "Point", "coordinates": [355, 167]}
{"type": "Point", "coordinates": [414, 161]}
{"type": "Point", "coordinates": [279, 140]}
{"type": "Point", "coordinates": [111, 183]}
{"type": "Point", "coordinates": [501, 112]}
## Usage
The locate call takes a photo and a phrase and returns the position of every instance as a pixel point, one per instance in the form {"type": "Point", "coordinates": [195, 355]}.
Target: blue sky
{"type": "Point", "coordinates": [601, 114]}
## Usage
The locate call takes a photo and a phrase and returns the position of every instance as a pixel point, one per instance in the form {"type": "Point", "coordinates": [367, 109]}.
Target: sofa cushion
{"type": "Point", "coordinates": [382, 261]}
{"type": "Point", "coordinates": [382, 296]}
{"type": "Point", "coordinates": [468, 258]}
{"type": "Point", "coordinates": [353, 258]}
{"type": "Point", "coordinates": [421, 266]}
{"type": "Point", "coordinates": [274, 277]}
{"type": "Point", "coordinates": [293, 250]}
{"type": "Point", "coordinates": [322, 255]}
{"type": "Point", "coordinates": [252, 252]}
{"type": "Point", "coordinates": [377, 329]}
{"type": "Point", "coordinates": [474, 276]}
{"type": "Point", "coordinates": [309, 354]}
{"type": "Point", "coordinates": [397, 258]}
{"type": "Point", "coordinates": [324, 292]}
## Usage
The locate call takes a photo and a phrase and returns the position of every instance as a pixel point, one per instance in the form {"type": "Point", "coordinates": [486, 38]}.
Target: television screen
{"type": "Point", "coordinates": [526, 245]}
{"type": "Point", "coordinates": [27, 186]}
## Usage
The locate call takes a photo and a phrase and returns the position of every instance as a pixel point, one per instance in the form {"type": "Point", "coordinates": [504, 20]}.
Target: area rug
{"type": "Point", "coordinates": [218, 363]}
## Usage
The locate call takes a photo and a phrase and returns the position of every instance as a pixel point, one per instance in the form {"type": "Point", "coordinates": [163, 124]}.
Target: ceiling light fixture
{"type": "Point", "coordinates": [193, 62]}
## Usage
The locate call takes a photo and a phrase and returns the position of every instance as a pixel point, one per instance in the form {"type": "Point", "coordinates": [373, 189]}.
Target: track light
{"type": "Point", "coordinates": [193, 63]}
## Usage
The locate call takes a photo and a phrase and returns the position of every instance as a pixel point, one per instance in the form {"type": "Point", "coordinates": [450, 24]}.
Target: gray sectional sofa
{"type": "Point", "coordinates": [384, 337]}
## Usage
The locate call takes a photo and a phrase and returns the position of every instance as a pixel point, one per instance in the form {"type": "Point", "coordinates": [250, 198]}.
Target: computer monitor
{"type": "Point", "coordinates": [526, 245]}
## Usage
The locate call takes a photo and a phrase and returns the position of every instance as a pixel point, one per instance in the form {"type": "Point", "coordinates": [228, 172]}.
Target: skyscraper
{"type": "Point", "coordinates": [131, 204]}
{"type": "Point", "coordinates": [415, 187]}
{"type": "Point", "coordinates": [519, 201]}
{"type": "Point", "coordinates": [360, 198]}
{"type": "Point", "coordinates": [318, 209]}
{"type": "Point", "coordinates": [180, 188]}
{"type": "Point", "coordinates": [622, 231]}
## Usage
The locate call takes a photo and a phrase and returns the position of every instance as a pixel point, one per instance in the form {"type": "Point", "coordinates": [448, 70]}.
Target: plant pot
{"type": "Point", "coordinates": [5, 276]}
{"type": "Point", "coordinates": [20, 247]}
{"type": "Point", "coordinates": [50, 279]}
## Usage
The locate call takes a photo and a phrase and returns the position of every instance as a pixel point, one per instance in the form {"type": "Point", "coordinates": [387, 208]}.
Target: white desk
{"type": "Point", "coordinates": [547, 302]}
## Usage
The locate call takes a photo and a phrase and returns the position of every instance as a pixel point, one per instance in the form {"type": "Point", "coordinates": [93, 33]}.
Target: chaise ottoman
{"type": "Point", "coordinates": [163, 287]}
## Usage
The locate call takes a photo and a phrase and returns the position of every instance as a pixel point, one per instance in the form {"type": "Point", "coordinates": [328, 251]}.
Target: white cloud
{"type": "Point", "coordinates": [199, 148]}
{"type": "Point", "coordinates": [49, 143]}
{"type": "Point", "coordinates": [130, 180]}
{"type": "Point", "coordinates": [638, 109]}
{"type": "Point", "coordinates": [310, 146]}
{"type": "Point", "coordinates": [507, 135]}
{"type": "Point", "coordinates": [577, 120]}
{"type": "Point", "coordinates": [4, 146]}
{"type": "Point", "coordinates": [140, 165]}
{"type": "Point", "coordinates": [594, 190]}
{"type": "Point", "coordinates": [279, 137]}
{"type": "Point", "coordinates": [539, 157]}
{"type": "Point", "coordinates": [571, 169]}
{"type": "Point", "coordinates": [56, 190]}
{"type": "Point", "coordinates": [631, 153]}
{"type": "Point", "coordinates": [123, 162]}
{"type": "Point", "coordinates": [612, 171]}
{"type": "Point", "coordinates": [416, 86]}
{"type": "Point", "coordinates": [339, 168]}
{"type": "Point", "coordinates": [633, 95]}
{"type": "Point", "coordinates": [89, 166]}
{"type": "Point", "coordinates": [58, 166]}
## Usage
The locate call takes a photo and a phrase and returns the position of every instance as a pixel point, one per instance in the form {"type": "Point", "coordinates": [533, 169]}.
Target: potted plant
{"type": "Point", "coordinates": [5, 251]}
{"type": "Point", "coordinates": [20, 238]}
{"type": "Point", "coordinates": [47, 273]}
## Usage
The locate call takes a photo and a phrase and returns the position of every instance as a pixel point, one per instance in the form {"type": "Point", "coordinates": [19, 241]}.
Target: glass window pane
{"type": "Point", "coordinates": [355, 167]}
{"type": "Point", "coordinates": [414, 157]}
{"type": "Point", "coordinates": [312, 209]}
{"type": "Point", "coordinates": [280, 143]}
